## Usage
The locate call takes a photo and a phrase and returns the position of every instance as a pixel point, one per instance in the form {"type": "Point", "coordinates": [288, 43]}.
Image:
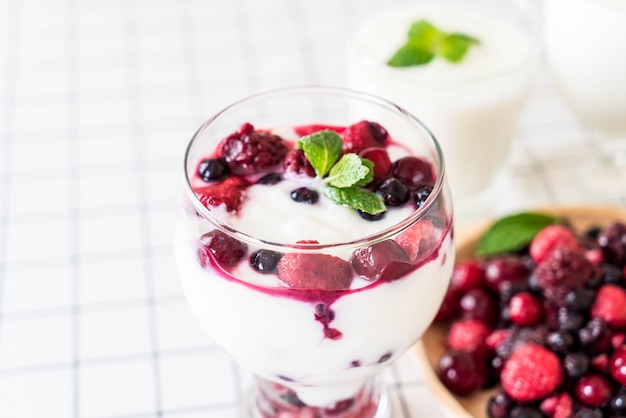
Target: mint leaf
{"type": "Point", "coordinates": [409, 55]}
{"type": "Point", "coordinates": [347, 172]}
{"type": "Point", "coordinates": [355, 198]}
{"type": "Point", "coordinates": [512, 233]}
{"type": "Point", "coordinates": [322, 150]}
{"type": "Point", "coordinates": [424, 32]}
{"type": "Point", "coordinates": [454, 47]}
{"type": "Point", "coordinates": [369, 177]}
{"type": "Point", "coordinates": [425, 41]}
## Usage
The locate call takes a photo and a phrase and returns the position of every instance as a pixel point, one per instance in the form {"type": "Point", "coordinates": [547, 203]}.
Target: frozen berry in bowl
{"type": "Point", "coordinates": [362, 135]}
{"type": "Point", "coordinates": [460, 372]}
{"type": "Point", "coordinates": [558, 345]}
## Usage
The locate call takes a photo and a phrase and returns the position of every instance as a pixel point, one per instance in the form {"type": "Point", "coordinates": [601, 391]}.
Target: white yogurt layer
{"type": "Point", "coordinates": [279, 336]}
{"type": "Point", "coordinates": [471, 107]}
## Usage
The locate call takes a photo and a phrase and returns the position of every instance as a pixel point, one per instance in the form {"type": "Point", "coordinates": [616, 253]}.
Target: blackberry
{"type": "Point", "coordinates": [393, 192]}
{"type": "Point", "coordinates": [265, 261]}
{"type": "Point", "coordinates": [612, 242]}
{"type": "Point", "coordinates": [304, 195]}
{"type": "Point", "coordinates": [213, 169]}
{"type": "Point", "coordinates": [250, 152]}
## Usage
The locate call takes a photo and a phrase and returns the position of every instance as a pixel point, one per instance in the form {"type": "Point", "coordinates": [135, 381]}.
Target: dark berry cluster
{"type": "Point", "coordinates": [259, 157]}
{"type": "Point", "coordinates": [547, 325]}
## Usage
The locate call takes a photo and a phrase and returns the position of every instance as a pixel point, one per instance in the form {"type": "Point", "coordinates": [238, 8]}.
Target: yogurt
{"type": "Point", "coordinates": [471, 107]}
{"type": "Point", "coordinates": [586, 55]}
{"type": "Point", "coordinates": [322, 344]}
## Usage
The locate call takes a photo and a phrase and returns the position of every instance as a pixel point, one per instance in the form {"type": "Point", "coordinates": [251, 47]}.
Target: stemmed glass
{"type": "Point", "coordinates": [585, 46]}
{"type": "Point", "coordinates": [315, 352]}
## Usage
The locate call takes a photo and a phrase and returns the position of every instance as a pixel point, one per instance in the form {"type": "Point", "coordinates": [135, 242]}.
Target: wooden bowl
{"type": "Point", "coordinates": [431, 346]}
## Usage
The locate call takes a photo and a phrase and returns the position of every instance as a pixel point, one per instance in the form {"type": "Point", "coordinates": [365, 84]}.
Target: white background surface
{"type": "Point", "coordinates": [97, 101]}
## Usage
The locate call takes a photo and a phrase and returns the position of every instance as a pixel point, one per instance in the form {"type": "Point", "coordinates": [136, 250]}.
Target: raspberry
{"type": "Point", "coordinates": [561, 271]}
{"type": "Point", "coordinates": [558, 406]}
{"type": "Point", "coordinates": [420, 233]}
{"type": "Point", "coordinates": [223, 248]}
{"type": "Point", "coordinates": [305, 130]}
{"type": "Point", "coordinates": [296, 162]}
{"type": "Point", "coordinates": [362, 135]}
{"type": "Point", "coordinates": [612, 241]}
{"type": "Point", "coordinates": [380, 158]}
{"type": "Point", "coordinates": [314, 271]}
{"type": "Point", "coordinates": [251, 152]}
{"type": "Point", "coordinates": [525, 309]}
{"type": "Point", "coordinates": [466, 275]}
{"type": "Point", "coordinates": [531, 373]}
{"type": "Point", "coordinates": [550, 238]}
{"type": "Point", "coordinates": [384, 260]}
{"type": "Point", "coordinates": [230, 192]}
{"type": "Point", "coordinates": [468, 335]}
{"type": "Point", "coordinates": [610, 305]}
{"type": "Point", "coordinates": [496, 338]}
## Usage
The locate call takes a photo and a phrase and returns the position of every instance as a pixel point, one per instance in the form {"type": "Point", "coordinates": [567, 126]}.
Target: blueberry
{"type": "Point", "coordinates": [560, 341]}
{"type": "Point", "coordinates": [576, 365]}
{"type": "Point", "coordinates": [499, 406]}
{"type": "Point", "coordinates": [589, 413]}
{"type": "Point", "coordinates": [421, 194]}
{"type": "Point", "coordinates": [579, 299]}
{"type": "Point", "coordinates": [593, 232]}
{"type": "Point", "coordinates": [611, 274]}
{"type": "Point", "coordinates": [305, 195]}
{"type": "Point", "coordinates": [618, 403]}
{"type": "Point", "coordinates": [369, 217]}
{"type": "Point", "coordinates": [265, 261]}
{"type": "Point", "coordinates": [213, 169]}
{"type": "Point", "coordinates": [270, 179]}
{"type": "Point", "coordinates": [570, 320]}
{"type": "Point", "coordinates": [393, 192]}
{"type": "Point", "coordinates": [525, 412]}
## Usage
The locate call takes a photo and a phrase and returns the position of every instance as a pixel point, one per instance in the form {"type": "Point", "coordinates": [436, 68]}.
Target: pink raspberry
{"type": "Point", "coordinates": [610, 306]}
{"type": "Point", "coordinates": [362, 135]}
{"type": "Point", "coordinates": [550, 238]}
{"type": "Point", "coordinates": [531, 373]}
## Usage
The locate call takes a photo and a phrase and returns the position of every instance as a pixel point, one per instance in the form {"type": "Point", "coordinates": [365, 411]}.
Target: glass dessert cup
{"type": "Point", "coordinates": [473, 106]}
{"type": "Point", "coordinates": [317, 350]}
{"type": "Point", "coordinates": [585, 51]}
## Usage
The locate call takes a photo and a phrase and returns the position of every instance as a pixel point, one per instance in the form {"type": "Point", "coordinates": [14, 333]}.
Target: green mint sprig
{"type": "Point", "coordinates": [342, 177]}
{"type": "Point", "coordinates": [426, 41]}
{"type": "Point", "coordinates": [512, 233]}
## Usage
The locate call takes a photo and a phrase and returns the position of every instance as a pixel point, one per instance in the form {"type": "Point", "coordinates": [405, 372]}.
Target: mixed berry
{"type": "Point", "coordinates": [545, 325]}
{"type": "Point", "coordinates": [250, 157]}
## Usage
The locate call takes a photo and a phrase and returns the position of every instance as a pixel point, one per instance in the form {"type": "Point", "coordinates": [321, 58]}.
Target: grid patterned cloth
{"type": "Point", "coordinates": [97, 101]}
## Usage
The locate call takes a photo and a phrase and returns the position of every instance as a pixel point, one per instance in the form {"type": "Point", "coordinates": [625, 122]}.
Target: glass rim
{"type": "Point", "coordinates": [527, 60]}
{"type": "Point", "coordinates": [383, 234]}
